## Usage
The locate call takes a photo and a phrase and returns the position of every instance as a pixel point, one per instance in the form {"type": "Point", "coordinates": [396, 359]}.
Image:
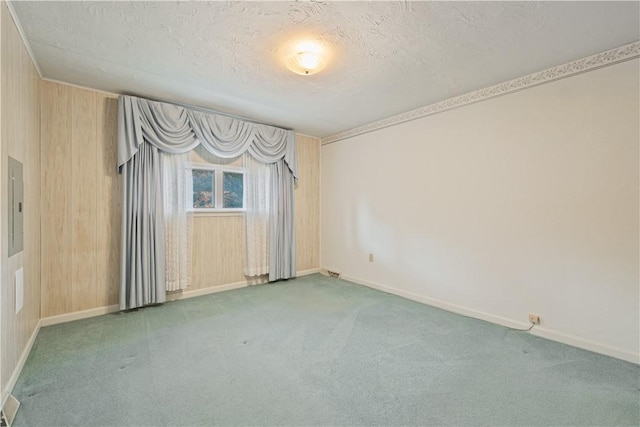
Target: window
{"type": "Point", "coordinates": [215, 188]}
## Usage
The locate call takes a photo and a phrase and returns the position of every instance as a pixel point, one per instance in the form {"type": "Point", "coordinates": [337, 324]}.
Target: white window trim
{"type": "Point", "coordinates": [218, 190]}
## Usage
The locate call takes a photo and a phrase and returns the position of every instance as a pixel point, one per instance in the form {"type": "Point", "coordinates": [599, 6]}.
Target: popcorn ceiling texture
{"type": "Point", "coordinates": [384, 58]}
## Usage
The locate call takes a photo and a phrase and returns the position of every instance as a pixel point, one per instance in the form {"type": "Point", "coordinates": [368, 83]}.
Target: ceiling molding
{"type": "Point", "coordinates": [62, 82]}
{"type": "Point", "coordinates": [25, 42]}
{"type": "Point", "coordinates": [603, 59]}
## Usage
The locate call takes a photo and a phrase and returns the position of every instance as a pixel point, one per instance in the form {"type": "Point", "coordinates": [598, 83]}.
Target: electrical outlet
{"type": "Point", "coordinates": [370, 257]}
{"type": "Point", "coordinates": [534, 318]}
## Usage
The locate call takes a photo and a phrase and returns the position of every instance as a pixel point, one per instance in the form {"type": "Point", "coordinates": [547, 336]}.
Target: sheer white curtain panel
{"type": "Point", "coordinates": [256, 216]}
{"type": "Point", "coordinates": [178, 222]}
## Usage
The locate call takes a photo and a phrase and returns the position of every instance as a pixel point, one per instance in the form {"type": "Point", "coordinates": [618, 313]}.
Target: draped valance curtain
{"type": "Point", "coordinates": [148, 130]}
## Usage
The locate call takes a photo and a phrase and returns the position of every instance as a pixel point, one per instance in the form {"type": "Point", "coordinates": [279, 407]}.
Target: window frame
{"type": "Point", "coordinates": [218, 188]}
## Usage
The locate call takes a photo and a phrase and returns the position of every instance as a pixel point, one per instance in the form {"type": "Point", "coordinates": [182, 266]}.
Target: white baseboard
{"type": "Point", "coordinates": [77, 315]}
{"type": "Point", "coordinates": [538, 331]}
{"type": "Point", "coordinates": [18, 369]}
{"type": "Point", "coordinates": [175, 296]}
{"type": "Point", "coordinates": [438, 303]}
{"type": "Point", "coordinates": [585, 344]}
{"type": "Point", "coordinates": [308, 272]}
{"type": "Point", "coordinates": [178, 295]}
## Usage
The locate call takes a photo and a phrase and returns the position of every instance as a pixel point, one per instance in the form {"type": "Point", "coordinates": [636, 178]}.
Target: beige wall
{"type": "Point", "coordinates": [20, 124]}
{"type": "Point", "coordinates": [81, 208]}
{"type": "Point", "coordinates": [525, 203]}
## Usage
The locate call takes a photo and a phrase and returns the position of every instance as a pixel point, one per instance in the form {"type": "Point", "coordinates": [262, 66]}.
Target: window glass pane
{"type": "Point", "coordinates": [203, 189]}
{"type": "Point", "coordinates": [233, 188]}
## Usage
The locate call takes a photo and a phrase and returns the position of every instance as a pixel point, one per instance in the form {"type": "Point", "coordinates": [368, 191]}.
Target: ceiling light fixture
{"type": "Point", "coordinates": [306, 56]}
{"type": "Point", "coordinates": [306, 63]}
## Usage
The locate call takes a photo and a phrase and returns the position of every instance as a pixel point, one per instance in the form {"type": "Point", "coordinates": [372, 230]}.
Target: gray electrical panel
{"type": "Point", "coordinates": [16, 207]}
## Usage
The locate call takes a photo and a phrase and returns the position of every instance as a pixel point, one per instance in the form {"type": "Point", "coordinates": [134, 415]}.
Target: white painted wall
{"type": "Point", "coordinates": [526, 203]}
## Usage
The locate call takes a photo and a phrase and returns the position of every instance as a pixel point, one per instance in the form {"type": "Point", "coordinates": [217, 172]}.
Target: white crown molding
{"type": "Point", "coordinates": [603, 59]}
{"type": "Point", "coordinates": [62, 82]}
{"type": "Point", "coordinates": [23, 36]}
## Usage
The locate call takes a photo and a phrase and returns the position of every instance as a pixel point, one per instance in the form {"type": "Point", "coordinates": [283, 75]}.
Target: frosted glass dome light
{"type": "Point", "coordinates": [306, 63]}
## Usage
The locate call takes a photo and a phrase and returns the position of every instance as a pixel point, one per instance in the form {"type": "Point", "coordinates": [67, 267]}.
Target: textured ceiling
{"type": "Point", "coordinates": [384, 58]}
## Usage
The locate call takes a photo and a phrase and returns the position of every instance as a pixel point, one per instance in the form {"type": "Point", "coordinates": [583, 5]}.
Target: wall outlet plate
{"type": "Point", "coordinates": [534, 318]}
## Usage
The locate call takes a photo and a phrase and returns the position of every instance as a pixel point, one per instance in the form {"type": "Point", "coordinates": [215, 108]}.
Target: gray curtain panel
{"type": "Point", "coordinates": [142, 274]}
{"type": "Point", "coordinates": [282, 240]}
{"type": "Point", "coordinates": [149, 129]}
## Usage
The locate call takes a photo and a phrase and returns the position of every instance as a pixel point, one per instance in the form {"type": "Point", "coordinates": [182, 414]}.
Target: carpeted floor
{"type": "Point", "coordinates": [313, 351]}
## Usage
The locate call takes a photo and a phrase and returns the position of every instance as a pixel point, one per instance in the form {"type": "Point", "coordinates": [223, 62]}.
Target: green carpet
{"type": "Point", "coordinates": [313, 351]}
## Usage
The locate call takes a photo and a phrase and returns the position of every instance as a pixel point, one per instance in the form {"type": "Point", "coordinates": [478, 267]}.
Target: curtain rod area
{"type": "Point", "coordinates": [206, 110]}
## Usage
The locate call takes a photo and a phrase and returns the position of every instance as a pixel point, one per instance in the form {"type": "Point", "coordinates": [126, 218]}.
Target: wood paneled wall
{"type": "Point", "coordinates": [80, 200]}
{"type": "Point", "coordinates": [307, 204]}
{"type": "Point", "coordinates": [218, 251]}
{"type": "Point", "coordinates": [20, 139]}
{"type": "Point", "coordinates": [81, 208]}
